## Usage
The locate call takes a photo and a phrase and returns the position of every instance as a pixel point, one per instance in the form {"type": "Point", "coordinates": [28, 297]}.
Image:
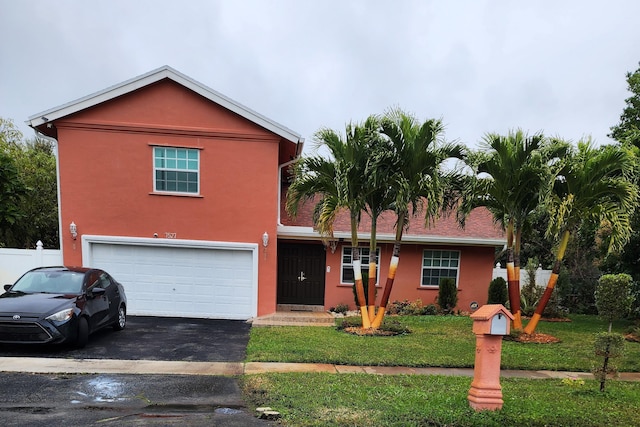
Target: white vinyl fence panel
{"type": "Point", "coordinates": [542, 276]}
{"type": "Point", "coordinates": [15, 262]}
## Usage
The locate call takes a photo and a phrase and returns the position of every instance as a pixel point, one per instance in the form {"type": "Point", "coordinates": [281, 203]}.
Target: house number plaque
{"type": "Point", "coordinates": [169, 235]}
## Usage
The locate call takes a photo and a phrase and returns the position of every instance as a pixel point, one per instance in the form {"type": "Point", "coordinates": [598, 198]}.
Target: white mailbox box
{"type": "Point", "coordinates": [492, 319]}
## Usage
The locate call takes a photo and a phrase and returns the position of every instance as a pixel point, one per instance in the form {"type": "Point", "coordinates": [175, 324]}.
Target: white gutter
{"type": "Point", "coordinates": [306, 233]}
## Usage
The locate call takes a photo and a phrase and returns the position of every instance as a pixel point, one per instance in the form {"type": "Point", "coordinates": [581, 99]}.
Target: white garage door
{"type": "Point", "coordinates": [176, 279]}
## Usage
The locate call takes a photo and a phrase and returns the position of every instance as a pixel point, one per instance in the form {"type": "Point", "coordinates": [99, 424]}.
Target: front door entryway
{"type": "Point", "coordinates": [301, 273]}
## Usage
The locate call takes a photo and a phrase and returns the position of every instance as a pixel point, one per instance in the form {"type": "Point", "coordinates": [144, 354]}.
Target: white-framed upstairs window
{"type": "Point", "coordinates": [439, 264]}
{"type": "Point", "coordinates": [176, 170]}
{"type": "Point", "coordinates": [346, 270]}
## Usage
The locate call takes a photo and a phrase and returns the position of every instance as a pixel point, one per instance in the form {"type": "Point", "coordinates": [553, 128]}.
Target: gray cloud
{"type": "Point", "coordinates": [482, 66]}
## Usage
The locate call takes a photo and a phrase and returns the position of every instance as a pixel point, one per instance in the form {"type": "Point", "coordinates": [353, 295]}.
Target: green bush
{"type": "Point", "coordinates": [340, 309]}
{"type": "Point", "coordinates": [430, 310]}
{"type": "Point", "coordinates": [408, 308]}
{"type": "Point", "coordinates": [613, 296]}
{"type": "Point", "coordinates": [608, 345]}
{"type": "Point", "coordinates": [498, 293]}
{"type": "Point", "coordinates": [447, 295]}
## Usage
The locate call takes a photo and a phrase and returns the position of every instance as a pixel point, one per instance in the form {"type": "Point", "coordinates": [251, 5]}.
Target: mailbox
{"type": "Point", "coordinates": [490, 323]}
{"type": "Point", "coordinates": [492, 319]}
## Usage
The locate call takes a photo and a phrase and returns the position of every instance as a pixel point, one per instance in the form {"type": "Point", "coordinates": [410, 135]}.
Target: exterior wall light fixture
{"type": "Point", "coordinates": [73, 229]}
{"type": "Point", "coordinates": [265, 239]}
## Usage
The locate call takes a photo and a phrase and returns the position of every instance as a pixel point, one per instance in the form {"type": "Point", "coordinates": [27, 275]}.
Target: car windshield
{"type": "Point", "coordinates": [56, 282]}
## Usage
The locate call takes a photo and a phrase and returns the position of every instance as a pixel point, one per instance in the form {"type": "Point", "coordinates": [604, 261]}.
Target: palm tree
{"type": "Point", "coordinates": [379, 196]}
{"type": "Point", "coordinates": [417, 179]}
{"type": "Point", "coordinates": [593, 184]}
{"type": "Point", "coordinates": [511, 177]}
{"type": "Point", "coordinates": [341, 183]}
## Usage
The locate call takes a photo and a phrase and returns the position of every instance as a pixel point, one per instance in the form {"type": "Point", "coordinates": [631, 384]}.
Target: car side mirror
{"type": "Point", "coordinates": [96, 292]}
{"type": "Point", "coordinates": [7, 287]}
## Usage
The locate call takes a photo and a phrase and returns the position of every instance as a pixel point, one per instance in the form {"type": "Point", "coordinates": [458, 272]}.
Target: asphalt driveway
{"type": "Point", "coordinates": [154, 338]}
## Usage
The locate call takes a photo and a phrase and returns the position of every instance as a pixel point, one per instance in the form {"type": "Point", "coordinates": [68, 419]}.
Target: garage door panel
{"type": "Point", "coordinates": [182, 281]}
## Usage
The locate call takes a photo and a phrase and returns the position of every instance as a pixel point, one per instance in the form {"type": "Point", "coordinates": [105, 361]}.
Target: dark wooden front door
{"type": "Point", "coordinates": [301, 273]}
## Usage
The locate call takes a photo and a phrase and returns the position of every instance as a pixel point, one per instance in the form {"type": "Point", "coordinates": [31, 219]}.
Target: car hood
{"type": "Point", "coordinates": [37, 304]}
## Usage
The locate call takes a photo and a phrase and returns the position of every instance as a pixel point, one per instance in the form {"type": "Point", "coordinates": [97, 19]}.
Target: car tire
{"type": "Point", "coordinates": [83, 333]}
{"type": "Point", "coordinates": [121, 321]}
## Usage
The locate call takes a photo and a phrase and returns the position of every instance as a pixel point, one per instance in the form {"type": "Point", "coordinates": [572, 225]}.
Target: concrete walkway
{"type": "Point", "coordinates": [109, 366]}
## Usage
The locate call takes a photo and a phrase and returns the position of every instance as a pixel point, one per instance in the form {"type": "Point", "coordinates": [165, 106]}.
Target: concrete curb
{"type": "Point", "coordinates": [149, 367]}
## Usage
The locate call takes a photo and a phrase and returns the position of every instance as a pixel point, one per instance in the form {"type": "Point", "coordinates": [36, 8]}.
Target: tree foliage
{"type": "Point", "coordinates": [628, 129]}
{"type": "Point", "coordinates": [29, 203]}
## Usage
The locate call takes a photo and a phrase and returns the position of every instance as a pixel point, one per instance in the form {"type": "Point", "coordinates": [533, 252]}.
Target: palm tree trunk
{"type": "Point", "coordinates": [553, 279]}
{"type": "Point", "coordinates": [393, 267]}
{"type": "Point", "coordinates": [371, 287]}
{"type": "Point", "coordinates": [517, 316]}
{"type": "Point", "coordinates": [357, 273]}
{"type": "Point", "coordinates": [513, 285]}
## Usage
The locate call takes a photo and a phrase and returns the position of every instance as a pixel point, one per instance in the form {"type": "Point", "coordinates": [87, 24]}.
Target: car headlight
{"type": "Point", "coordinates": [61, 316]}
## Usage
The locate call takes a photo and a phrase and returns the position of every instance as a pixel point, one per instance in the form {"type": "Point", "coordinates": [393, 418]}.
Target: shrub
{"type": "Point", "coordinates": [447, 295]}
{"type": "Point", "coordinates": [340, 309]}
{"type": "Point", "coordinates": [613, 299]}
{"type": "Point", "coordinates": [531, 293]}
{"type": "Point", "coordinates": [430, 310]}
{"type": "Point", "coordinates": [608, 345]}
{"type": "Point", "coordinates": [408, 308]}
{"type": "Point", "coordinates": [498, 293]}
{"type": "Point", "coordinates": [613, 296]}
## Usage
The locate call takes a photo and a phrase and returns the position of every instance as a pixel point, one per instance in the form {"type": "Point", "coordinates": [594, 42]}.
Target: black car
{"type": "Point", "coordinates": [61, 305]}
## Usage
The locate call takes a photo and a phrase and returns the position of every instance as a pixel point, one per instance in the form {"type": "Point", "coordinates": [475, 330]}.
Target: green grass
{"type": "Point", "coordinates": [415, 400]}
{"type": "Point", "coordinates": [319, 399]}
{"type": "Point", "coordinates": [444, 341]}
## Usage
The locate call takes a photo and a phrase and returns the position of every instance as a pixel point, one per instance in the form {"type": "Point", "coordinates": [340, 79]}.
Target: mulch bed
{"type": "Point", "coordinates": [632, 338]}
{"type": "Point", "coordinates": [535, 338]}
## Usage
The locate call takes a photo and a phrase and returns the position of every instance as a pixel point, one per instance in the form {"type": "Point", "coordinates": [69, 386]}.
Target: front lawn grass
{"type": "Point", "coordinates": [321, 399]}
{"type": "Point", "coordinates": [438, 341]}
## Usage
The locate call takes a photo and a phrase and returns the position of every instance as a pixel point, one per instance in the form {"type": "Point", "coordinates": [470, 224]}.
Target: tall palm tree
{"type": "Point", "coordinates": [593, 184]}
{"type": "Point", "coordinates": [418, 180]}
{"type": "Point", "coordinates": [510, 178]}
{"type": "Point", "coordinates": [379, 196]}
{"type": "Point", "coordinates": [341, 183]}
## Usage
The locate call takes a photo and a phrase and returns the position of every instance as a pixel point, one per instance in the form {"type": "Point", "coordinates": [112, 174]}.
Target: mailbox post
{"type": "Point", "coordinates": [490, 323]}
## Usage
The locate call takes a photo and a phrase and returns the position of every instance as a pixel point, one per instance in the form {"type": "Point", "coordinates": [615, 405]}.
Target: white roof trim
{"type": "Point", "coordinates": [152, 77]}
{"type": "Point", "coordinates": [308, 233]}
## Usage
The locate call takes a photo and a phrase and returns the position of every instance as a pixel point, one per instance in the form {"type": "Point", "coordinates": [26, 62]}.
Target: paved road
{"type": "Point", "coordinates": [155, 338]}
{"type": "Point", "coordinates": [122, 400]}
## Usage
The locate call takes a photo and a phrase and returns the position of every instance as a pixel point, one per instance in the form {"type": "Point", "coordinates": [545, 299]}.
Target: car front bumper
{"type": "Point", "coordinates": [32, 330]}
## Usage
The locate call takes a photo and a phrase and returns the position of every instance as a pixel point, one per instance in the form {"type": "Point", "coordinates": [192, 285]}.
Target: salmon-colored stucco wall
{"type": "Point", "coordinates": [106, 176]}
{"type": "Point", "coordinates": [476, 266]}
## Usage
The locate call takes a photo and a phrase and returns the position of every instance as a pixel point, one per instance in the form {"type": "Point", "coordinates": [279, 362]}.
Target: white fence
{"type": "Point", "coordinates": [15, 262]}
{"type": "Point", "coordinates": [542, 276]}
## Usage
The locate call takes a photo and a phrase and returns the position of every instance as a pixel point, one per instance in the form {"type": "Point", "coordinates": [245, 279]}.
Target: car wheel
{"type": "Point", "coordinates": [121, 321]}
{"type": "Point", "coordinates": [83, 333]}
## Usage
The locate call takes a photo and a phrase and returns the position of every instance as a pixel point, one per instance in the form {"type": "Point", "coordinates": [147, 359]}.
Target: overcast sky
{"type": "Point", "coordinates": [482, 66]}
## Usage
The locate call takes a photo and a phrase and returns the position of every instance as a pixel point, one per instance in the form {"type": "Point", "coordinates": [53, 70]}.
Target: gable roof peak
{"type": "Point", "coordinates": [153, 76]}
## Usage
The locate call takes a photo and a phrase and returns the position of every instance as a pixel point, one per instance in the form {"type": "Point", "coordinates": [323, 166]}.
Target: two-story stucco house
{"type": "Point", "coordinates": [177, 191]}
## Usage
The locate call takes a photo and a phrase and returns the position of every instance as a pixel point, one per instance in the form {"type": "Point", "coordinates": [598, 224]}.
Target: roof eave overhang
{"type": "Point", "coordinates": [150, 78]}
{"type": "Point", "coordinates": [308, 233]}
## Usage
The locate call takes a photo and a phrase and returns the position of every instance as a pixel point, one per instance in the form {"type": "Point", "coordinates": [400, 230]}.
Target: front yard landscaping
{"type": "Point", "coordinates": [415, 400]}
{"type": "Point", "coordinates": [437, 341]}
